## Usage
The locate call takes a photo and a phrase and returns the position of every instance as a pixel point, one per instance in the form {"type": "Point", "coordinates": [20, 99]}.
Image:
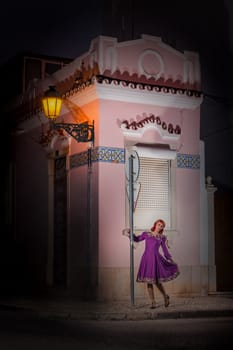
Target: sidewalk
{"type": "Point", "coordinates": [66, 308]}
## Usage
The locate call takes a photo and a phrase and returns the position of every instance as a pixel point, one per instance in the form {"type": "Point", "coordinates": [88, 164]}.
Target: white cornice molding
{"type": "Point", "coordinates": [127, 94]}
{"type": "Point", "coordinates": [83, 97]}
{"type": "Point", "coordinates": [119, 93]}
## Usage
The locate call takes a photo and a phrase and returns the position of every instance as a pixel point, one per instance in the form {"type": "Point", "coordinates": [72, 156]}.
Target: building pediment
{"type": "Point", "coordinates": [152, 129]}
{"type": "Point", "coordinates": [147, 60]}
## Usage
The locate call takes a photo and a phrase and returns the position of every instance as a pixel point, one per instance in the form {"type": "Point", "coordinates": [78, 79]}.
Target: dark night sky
{"type": "Point", "coordinates": [48, 28]}
{"type": "Point", "coordinates": [52, 28]}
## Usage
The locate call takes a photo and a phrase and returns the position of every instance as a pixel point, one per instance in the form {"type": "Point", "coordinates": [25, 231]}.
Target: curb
{"type": "Point", "coordinates": [114, 316]}
{"type": "Point", "coordinates": [131, 316]}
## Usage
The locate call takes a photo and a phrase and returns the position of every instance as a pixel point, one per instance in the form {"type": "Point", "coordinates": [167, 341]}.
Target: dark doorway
{"type": "Point", "coordinates": [224, 240]}
{"type": "Point", "coordinates": [60, 223]}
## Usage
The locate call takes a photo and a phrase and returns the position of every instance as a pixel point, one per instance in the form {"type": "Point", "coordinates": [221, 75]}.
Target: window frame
{"type": "Point", "coordinates": [172, 214]}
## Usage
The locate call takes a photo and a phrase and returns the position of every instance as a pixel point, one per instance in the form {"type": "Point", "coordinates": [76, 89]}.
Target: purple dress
{"type": "Point", "coordinates": [155, 268]}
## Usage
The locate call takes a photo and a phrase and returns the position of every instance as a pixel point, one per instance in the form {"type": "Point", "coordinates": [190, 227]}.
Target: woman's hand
{"type": "Point", "coordinates": [170, 259]}
{"type": "Point", "coordinates": [126, 232]}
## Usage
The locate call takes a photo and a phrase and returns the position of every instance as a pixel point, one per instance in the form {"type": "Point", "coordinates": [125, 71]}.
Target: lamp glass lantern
{"type": "Point", "coordinates": [52, 102]}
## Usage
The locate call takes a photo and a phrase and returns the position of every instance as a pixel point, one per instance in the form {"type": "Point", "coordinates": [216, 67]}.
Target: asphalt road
{"type": "Point", "coordinates": [22, 331]}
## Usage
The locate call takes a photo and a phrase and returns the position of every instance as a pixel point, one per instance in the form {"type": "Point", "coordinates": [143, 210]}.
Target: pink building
{"type": "Point", "coordinates": [142, 95]}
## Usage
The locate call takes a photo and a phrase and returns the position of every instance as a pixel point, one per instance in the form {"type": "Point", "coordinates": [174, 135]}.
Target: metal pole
{"type": "Point", "coordinates": [131, 209]}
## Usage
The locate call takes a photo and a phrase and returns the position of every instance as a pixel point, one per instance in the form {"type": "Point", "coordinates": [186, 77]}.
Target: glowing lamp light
{"type": "Point", "coordinates": [52, 102]}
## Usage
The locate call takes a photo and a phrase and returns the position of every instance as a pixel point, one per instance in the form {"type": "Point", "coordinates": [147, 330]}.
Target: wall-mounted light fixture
{"type": "Point", "coordinates": [52, 102]}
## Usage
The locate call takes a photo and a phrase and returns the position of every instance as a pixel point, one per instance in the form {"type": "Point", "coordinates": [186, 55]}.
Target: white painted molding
{"type": "Point", "coordinates": [111, 59]}
{"type": "Point", "coordinates": [165, 135]}
{"type": "Point", "coordinates": [127, 94]}
{"type": "Point", "coordinates": [210, 188]}
{"type": "Point", "coordinates": [143, 70]}
{"type": "Point", "coordinates": [137, 95]}
{"type": "Point", "coordinates": [153, 152]}
{"type": "Point", "coordinates": [123, 94]}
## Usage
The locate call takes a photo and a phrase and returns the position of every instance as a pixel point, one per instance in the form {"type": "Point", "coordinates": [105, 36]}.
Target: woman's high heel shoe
{"type": "Point", "coordinates": [153, 305]}
{"type": "Point", "coordinates": [166, 301]}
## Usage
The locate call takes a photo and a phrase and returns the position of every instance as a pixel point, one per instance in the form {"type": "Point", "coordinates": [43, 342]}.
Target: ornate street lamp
{"type": "Point", "coordinates": [52, 102]}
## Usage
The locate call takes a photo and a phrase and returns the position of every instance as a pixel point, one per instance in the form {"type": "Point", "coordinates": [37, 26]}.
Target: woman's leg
{"type": "Point", "coordinates": [162, 290]}
{"type": "Point", "coordinates": [151, 294]}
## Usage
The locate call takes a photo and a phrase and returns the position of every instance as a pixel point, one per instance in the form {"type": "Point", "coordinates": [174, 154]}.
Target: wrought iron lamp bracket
{"type": "Point", "coordinates": [82, 132]}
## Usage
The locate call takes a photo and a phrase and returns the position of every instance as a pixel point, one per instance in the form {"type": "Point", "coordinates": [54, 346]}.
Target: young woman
{"type": "Point", "coordinates": [155, 268]}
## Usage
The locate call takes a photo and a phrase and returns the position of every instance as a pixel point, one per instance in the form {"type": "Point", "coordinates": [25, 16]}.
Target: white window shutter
{"type": "Point", "coordinates": [154, 197]}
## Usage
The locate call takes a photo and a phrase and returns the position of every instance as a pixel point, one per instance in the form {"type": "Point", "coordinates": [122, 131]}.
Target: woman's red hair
{"type": "Point", "coordinates": [156, 222]}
